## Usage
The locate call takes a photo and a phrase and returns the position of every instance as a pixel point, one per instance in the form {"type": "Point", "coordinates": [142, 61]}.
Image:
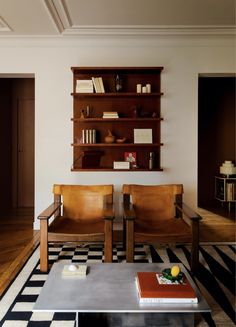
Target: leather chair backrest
{"type": "Point", "coordinates": [153, 202]}
{"type": "Point", "coordinates": [84, 202]}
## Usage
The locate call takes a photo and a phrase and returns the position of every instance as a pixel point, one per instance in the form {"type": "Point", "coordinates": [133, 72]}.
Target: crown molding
{"type": "Point", "coordinates": [139, 30]}
{"type": "Point", "coordinates": [60, 15]}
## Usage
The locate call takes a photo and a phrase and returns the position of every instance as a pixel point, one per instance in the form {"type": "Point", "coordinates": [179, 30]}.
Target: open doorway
{"type": "Point", "coordinates": [17, 143]}
{"type": "Point", "coordinates": [18, 237]}
{"type": "Point", "coordinates": [216, 136]}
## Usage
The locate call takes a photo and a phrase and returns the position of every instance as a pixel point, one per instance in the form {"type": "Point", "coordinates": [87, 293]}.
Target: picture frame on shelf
{"type": "Point", "coordinates": [131, 157]}
{"type": "Point", "coordinates": [143, 135]}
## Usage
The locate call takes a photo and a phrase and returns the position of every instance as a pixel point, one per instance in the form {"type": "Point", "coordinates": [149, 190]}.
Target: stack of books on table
{"type": "Point", "coordinates": [84, 86]}
{"type": "Point", "coordinates": [152, 288]}
{"type": "Point", "coordinates": [110, 114]}
{"type": "Point", "coordinates": [74, 270]}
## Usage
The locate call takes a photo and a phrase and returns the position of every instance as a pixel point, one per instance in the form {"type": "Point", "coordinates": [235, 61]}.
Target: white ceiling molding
{"type": "Point", "coordinates": [59, 14]}
{"type": "Point", "coordinates": [149, 30]}
{"type": "Point", "coordinates": [4, 27]}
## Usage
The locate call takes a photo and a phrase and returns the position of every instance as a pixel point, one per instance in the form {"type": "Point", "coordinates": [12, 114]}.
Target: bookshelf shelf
{"type": "Point", "coordinates": [116, 95]}
{"type": "Point", "coordinates": [116, 145]}
{"type": "Point", "coordinates": [112, 169]}
{"type": "Point", "coordinates": [225, 189]}
{"type": "Point", "coordinates": [117, 120]}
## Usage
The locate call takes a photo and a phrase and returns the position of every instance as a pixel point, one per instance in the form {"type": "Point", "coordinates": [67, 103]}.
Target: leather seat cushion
{"type": "Point", "coordinates": [66, 225]}
{"type": "Point", "coordinates": [175, 230]}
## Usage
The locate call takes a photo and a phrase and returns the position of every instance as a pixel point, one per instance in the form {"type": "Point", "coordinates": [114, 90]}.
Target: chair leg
{"type": "Point", "coordinates": [130, 241]}
{"type": "Point", "coordinates": [43, 245]}
{"type": "Point", "coordinates": [108, 241]}
{"type": "Point", "coordinates": [194, 259]}
{"type": "Point", "coordinates": [124, 235]}
{"type": "Point", "coordinates": [195, 247]}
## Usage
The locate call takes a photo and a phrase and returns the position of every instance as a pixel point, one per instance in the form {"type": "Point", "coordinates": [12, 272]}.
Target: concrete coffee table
{"type": "Point", "coordinates": [109, 293]}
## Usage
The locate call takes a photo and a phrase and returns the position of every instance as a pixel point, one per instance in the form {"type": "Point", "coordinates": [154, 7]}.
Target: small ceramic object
{"type": "Point", "coordinates": [82, 114]}
{"type": "Point", "coordinates": [151, 157]}
{"type": "Point", "coordinates": [72, 268]}
{"type": "Point", "coordinates": [121, 140]}
{"type": "Point", "coordinates": [110, 138]}
{"type": "Point", "coordinates": [148, 88]}
{"type": "Point", "coordinates": [139, 88]}
{"type": "Point", "coordinates": [118, 83]}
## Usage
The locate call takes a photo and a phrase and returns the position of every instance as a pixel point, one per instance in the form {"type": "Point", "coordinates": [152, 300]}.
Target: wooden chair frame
{"type": "Point", "coordinates": [54, 210]}
{"type": "Point", "coordinates": [182, 212]}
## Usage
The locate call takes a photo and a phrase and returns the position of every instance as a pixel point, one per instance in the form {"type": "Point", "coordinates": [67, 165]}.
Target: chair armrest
{"type": "Point", "coordinates": [188, 212]}
{"type": "Point", "coordinates": [108, 211]}
{"type": "Point", "coordinates": [47, 213]}
{"type": "Point", "coordinates": [129, 213]}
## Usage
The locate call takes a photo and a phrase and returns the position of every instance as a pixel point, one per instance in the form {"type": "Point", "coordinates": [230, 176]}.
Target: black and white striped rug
{"type": "Point", "coordinates": [215, 278]}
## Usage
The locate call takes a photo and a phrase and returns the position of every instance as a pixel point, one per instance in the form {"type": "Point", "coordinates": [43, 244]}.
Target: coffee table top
{"type": "Point", "coordinates": [108, 287]}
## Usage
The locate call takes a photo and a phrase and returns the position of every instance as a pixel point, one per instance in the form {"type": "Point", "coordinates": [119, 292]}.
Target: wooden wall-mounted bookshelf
{"type": "Point", "coordinates": [135, 111]}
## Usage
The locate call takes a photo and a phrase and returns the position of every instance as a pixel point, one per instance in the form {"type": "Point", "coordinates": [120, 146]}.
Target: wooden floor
{"type": "Point", "coordinates": [18, 240]}
{"type": "Point", "coordinates": [217, 225]}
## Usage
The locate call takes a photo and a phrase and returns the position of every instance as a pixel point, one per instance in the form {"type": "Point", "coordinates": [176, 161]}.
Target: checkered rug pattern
{"type": "Point", "coordinates": [215, 278]}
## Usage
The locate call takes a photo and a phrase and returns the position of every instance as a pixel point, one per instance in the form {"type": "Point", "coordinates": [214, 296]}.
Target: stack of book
{"type": "Point", "coordinates": [230, 191]}
{"type": "Point", "coordinates": [98, 84]}
{"type": "Point", "coordinates": [73, 270]}
{"type": "Point", "coordinates": [110, 114]}
{"type": "Point", "coordinates": [89, 136]}
{"type": "Point", "coordinates": [84, 86]}
{"type": "Point", "coordinates": [152, 288]}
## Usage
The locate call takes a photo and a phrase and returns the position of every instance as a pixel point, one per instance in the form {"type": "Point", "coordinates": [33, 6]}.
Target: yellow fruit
{"type": "Point", "coordinates": [175, 270]}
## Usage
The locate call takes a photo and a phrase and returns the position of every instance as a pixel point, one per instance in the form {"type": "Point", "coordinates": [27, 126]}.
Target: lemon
{"type": "Point", "coordinates": [175, 270]}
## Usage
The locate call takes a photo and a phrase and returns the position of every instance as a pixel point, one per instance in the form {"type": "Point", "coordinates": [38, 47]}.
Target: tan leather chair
{"type": "Point", "coordinates": [157, 215]}
{"type": "Point", "coordinates": [82, 213]}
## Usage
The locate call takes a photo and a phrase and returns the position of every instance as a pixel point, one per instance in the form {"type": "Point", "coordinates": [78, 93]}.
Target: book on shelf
{"type": "Point", "coordinates": [84, 86]}
{"type": "Point", "coordinates": [121, 165]}
{"type": "Point", "coordinates": [98, 84]}
{"type": "Point", "coordinates": [230, 191]}
{"type": "Point", "coordinates": [151, 289]}
{"type": "Point", "coordinates": [89, 136]}
{"type": "Point", "coordinates": [110, 114]}
{"type": "Point", "coordinates": [101, 84]}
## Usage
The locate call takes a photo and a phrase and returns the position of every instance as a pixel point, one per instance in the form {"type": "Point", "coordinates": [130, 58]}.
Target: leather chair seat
{"type": "Point", "coordinates": [166, 230]}
{"type": "Point", "coordinates": [64, 225]}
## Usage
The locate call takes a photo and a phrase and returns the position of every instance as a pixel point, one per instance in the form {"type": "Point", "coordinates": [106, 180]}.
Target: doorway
{"type": "Point", "coordinates": [216, 135]}
{"type": "Point", "coordinates": [17, 143]}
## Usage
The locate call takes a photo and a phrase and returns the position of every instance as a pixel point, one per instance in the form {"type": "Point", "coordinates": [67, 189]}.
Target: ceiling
{"type": "Point", "coordinates": [78, 17]}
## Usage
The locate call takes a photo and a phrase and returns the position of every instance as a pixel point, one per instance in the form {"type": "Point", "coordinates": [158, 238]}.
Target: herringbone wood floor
{"type": "Point", "coordinates": [17, 242]}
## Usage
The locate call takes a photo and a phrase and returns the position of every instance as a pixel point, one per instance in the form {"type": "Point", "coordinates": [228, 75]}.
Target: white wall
{"type": "Point", "coordinates": [50, 60]}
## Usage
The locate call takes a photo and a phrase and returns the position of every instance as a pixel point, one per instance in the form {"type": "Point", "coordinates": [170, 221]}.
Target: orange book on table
{"type": "Point", "coordinates": [150, 289]}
